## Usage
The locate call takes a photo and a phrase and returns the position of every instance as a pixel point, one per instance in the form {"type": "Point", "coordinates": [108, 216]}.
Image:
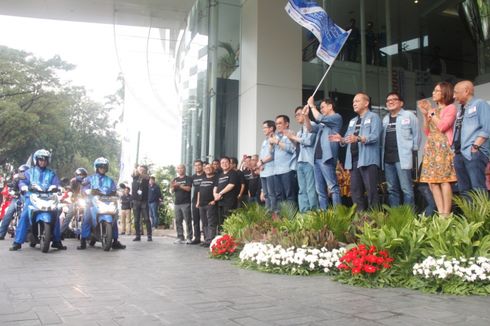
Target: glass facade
{"type": "Point", "coordinates": [404, 45]}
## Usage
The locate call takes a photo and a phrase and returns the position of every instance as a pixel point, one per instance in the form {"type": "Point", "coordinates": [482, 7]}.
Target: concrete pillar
{"type": "Point", "coordinates": [270, 69]}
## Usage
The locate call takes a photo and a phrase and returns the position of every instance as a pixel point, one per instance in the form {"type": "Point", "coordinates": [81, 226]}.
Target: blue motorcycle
{"type": "Point", "coordinates": [104, 213]}
{"type": "Point", "coordinates": [43, 212]}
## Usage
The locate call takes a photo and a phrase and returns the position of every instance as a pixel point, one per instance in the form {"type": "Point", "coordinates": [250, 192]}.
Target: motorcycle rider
{"type": "Point", "coordinates": [103, 183]}
{"type": "Point", "coordinates": [75, 188]}
{"type": "Point", "coordinates": [9, 214]}
{"type": "Point", "coordinates": [47, 180]}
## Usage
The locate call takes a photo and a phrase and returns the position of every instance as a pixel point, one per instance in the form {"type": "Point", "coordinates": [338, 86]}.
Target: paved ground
{"type": "Point", "coordinates": [159, 283]}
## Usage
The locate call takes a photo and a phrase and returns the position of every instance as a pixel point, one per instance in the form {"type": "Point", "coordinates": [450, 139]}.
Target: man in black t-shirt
{"type": "Point", "coordinates": [241, 192]}
{"type": "Point", "coordinates": [139, 196]}
{"type": "Point", "coordinates": [196, 219]}
{"type": "Point", "coordinates": [224, 192]}
{"type": "Point", "coordinates": [207, 206]}
{"type": "Point", "coordinates": [181, 186]}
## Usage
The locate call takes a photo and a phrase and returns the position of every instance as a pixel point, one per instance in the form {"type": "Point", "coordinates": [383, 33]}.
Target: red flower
{"type": "Point", "coordinates": [360, 259]}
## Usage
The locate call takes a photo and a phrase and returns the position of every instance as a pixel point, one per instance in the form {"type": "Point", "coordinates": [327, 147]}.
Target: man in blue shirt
{"type": "Point", "coordinates": [284, 162]}
{"type": "Point", "coordinates": [471, 133]}
{"type": "Point", "coordinates": [363, 157]}
{"type": "Point", "coordinates": [304, 140]}
{"type": "Point", "coordinates": [44, 178]}
{"type": "Point", "coordinates": [105, 185]}
{"type": "Point", "coordinates": [401, 137]}
{"type": "Point", "coordinates": [266, 166]}
{"type": "Point", "coordinates": [326, 152]}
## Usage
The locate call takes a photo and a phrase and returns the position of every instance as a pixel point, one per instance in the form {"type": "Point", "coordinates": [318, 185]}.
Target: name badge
{"type": "Point", "coordinates": [472, 110]}
{"type": "Point", "coordinates": [368, 121]}
{"type": "Point", "coordinates": [352, 123]}
{"type": "Point", "coordinates": [405, 122]}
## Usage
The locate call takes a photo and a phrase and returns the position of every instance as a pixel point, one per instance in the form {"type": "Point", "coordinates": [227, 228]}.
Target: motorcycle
{"type": "Point", "coordinates": [15, 219]}
{"type": "Point", "coordinates": [104, 212]}
{"type": "Point", "coordinates": [77, 219]}
{"type": "Point", "coordinates": [43, 212]}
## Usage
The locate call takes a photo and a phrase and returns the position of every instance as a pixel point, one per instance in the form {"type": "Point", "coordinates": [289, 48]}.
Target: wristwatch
{"type": "Point", "coordinates": [475, 146]}
{"type": "Point", "coordinates": [359, 139]}
{"type": "Point", "coordinates": [432, 114]}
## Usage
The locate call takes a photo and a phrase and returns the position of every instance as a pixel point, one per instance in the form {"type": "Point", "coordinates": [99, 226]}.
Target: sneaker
{"type": "Point", "coordinates": [122, 233]}
{"type": "Point", "coordinates": [83, 244]}
{"type": "Point", "coordinates": [179, 241]}
{"type": "Point", "coordinates": [117, 245]}
{"type": "Point", "coordinates": [137, 239]}
{"type": "Point", "coordinates": [195, 242]}
{"type": "Point", "coordinates": [188, 241]}
{"type": "Point", "coordinates": [150, 239]}
{"type": "Point", "coordinates": [58, 245]}
{"type": "Point", "coordinates": [16, 246]}
{"type": "Point", "coordinates": [92, 243]}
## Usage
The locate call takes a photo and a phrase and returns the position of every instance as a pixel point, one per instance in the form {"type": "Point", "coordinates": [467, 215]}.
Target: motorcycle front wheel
{"type": "Point", "coordinates": [106, 235]}
{"type": "Point", "coordinates": [45, 237]}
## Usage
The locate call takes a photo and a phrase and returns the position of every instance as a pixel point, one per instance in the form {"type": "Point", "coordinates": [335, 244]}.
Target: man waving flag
{"type": "Point", "coordinates": [310, 15]}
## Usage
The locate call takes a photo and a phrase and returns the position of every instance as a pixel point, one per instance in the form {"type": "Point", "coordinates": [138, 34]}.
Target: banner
{"type": "Point", "coordinates": [310, 15]}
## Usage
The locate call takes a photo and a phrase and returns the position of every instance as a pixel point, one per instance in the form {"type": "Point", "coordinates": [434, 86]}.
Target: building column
{"type": "Point", "coordinates": [270, 69]}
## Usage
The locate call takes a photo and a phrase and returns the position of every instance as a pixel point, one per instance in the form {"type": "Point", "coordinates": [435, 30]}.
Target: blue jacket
{"type": "Point", "coordinates": [330, 124]}
{"type": "Point", "coordinates": [306, 142]}
{"type": "Point", "coordinates": [266, 151]}
{"type": "Point", "coordinates": [284, 159]}
{"type": "Point", "coordinates": [407, 137]}
{"type": "Point", "coordinates": [369, 151]}
{"type": "Point", "coordinates": [42, 177]}
{"type": "Point", "coordinates": [100, 182]}
{"type": "Point", "coordinates": [476, 122]}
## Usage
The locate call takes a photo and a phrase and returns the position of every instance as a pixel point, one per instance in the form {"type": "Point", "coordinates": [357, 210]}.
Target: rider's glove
{"type": "Point", "coordinates": [52, 187]}
{"type": "Point", "coordinates": [24, 188]}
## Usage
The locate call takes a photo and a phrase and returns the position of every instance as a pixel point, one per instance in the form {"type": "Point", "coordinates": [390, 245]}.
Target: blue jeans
{"type": "Point", "coordinates": [7, 218]}
{"type": "Point", "coordinates": [470, 174]}
{"type": "Point", "coordinates": [326, 176]}
{"type": "Point", "coordinates": [284, 186]}
{"type": "Point", "coordinates": [307, 198]}
{"type": "Point", "coordinates": [268, 187]}
{"type": "Point", "coordinates": [153, 210]}
{"type": "Point", "coordinates": [429, 199]}
{"type": "Point", "coordinates": [399, 183]}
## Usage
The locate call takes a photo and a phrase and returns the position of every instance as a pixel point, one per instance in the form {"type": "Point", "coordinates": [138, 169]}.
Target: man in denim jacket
{"type": "Point", "coordinates": [363, 157]}
{"type": "Point", "coordinates": [401, 137]}
{"type": "Point", "coordinates": [471, 133]}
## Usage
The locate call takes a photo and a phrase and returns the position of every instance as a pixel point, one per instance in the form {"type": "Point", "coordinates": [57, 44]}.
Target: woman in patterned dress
{"type": "Point", "coordinates": [437, 165]}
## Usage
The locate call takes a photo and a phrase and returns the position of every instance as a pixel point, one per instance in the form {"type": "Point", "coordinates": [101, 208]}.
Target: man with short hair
{"type": "Point", "coordinates": [304, 139]}
{"type": "Point", "coordinates": [284, 162]}
{"type": "Point", "coordinates": [139, 196]}
{"type": "Point", "coordinates": [197, 177]}
{"type": "Point", "coordinates": [206, 204]}
{"type": "Point", "coordinates": [400, 139]}
{"type": "Point", "coordinates": [241, 191]}
{"type": "Point", "coordinates": [363, 157]}
{"type": "Point", "coordinates": [325, 152]}
{"type": "Point", "coordinates": [181, 186]}
{"type": "Point", "coordinates": [224, 191]}
{"type": "Point", "coordinates": [471, 133]}
{"type": "Point", "coordinates": [266, 166]}
{"type": "Point", "coordinates": [154, 199]}
{"type": "Point", "coordinates": [252, 175]}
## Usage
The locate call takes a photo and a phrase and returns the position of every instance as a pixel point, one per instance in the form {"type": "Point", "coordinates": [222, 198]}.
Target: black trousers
{"type": "Point", "coordinates": [209, 214]}
{"type": "Point", "coordinates": [196, 221]}
{"type": "Point", "coordinates": [364, 181]}
{"type": "Point", "coordinates": [140, 211]}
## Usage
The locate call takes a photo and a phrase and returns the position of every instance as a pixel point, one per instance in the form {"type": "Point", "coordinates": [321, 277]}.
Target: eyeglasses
{"type": "Point", "coordinates": [388, 100]}
{"type": "Point", "coordinates": [298, 114]}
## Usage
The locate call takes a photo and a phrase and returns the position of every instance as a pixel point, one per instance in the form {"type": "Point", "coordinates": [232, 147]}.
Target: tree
{"type": "Point", "coordinates": [37, 110]}
{"type": "Point", "coordinates": [163, 177]}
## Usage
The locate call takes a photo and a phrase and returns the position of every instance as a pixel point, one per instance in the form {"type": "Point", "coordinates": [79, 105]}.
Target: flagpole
{"type": "Point", "coordinates": [324, 75]}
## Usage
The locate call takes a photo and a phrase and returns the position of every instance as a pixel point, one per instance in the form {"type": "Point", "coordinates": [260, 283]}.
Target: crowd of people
{"type": "Point", "coordinates": [302, 167]}
{"type": "Point", "coordinates": [296, 167]}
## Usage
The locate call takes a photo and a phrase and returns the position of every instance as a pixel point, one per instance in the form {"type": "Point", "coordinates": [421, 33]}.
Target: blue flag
{"type": "Point", "coordinates": [310, 15]}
